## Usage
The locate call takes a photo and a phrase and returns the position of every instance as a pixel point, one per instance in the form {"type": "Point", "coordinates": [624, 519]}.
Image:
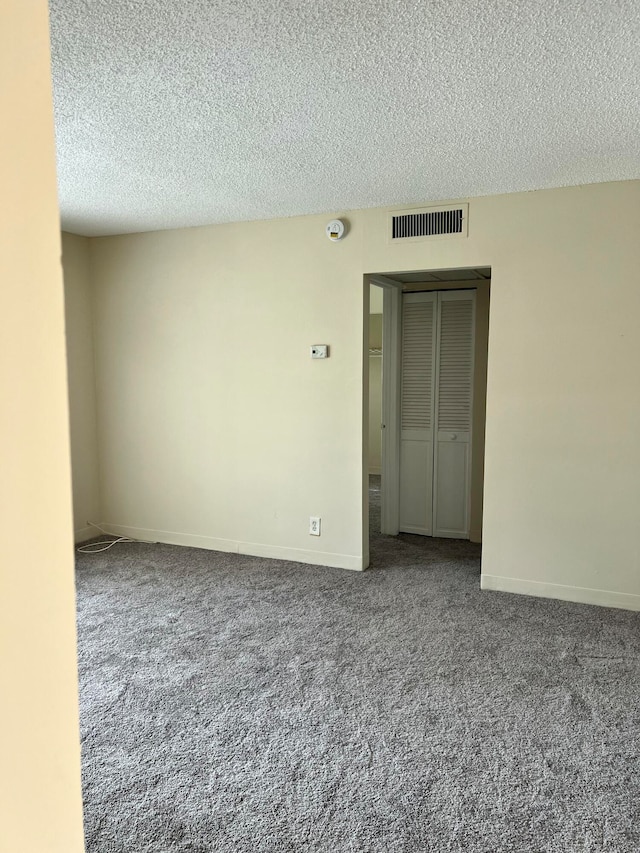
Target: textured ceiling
{"type": "Point", "coordinates": [186, 112]}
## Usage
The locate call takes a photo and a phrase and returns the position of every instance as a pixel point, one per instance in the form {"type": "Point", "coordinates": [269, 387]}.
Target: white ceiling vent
{"type": "Point", "coordinates": [428, 223]}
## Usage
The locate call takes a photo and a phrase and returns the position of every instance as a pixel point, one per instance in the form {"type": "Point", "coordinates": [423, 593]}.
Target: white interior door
{"type": "Point", "coordinates": [436, 406]}
{"type": "Point", "coordinates": [453, 413]}
{"type": "Point", "coordinates": [417, 412]}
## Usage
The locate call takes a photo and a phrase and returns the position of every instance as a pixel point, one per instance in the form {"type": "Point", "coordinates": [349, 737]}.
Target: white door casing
{"type": "Point", "coordinates": [390, 444]}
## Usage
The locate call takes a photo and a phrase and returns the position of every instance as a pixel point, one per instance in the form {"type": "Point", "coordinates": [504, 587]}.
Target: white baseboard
{"type": "Point", "coordinates": [84, 534]}
{"type": "Point", "coordinates": [579, 594]}
{"type": "Point", "coordinates": [254, 549]}
{"type": "Point", "coordinates": [375, 470]}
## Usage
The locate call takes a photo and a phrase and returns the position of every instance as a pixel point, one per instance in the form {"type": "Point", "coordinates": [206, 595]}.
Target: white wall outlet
{"type": "Point", "coordinates": [314, 526]}
{"type": "Point", "coordinates": [320, 351]}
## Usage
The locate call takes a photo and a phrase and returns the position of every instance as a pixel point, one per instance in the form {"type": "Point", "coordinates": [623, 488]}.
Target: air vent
{"type": "Point", "coordinates": [428, 223]}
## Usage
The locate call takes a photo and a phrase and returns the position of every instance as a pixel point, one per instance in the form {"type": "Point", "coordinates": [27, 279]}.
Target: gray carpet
{"type": "Point", "coordinates": [233, 703]}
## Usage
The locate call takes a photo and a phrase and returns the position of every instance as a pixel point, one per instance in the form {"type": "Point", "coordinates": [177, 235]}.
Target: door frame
{"type": "Point", "coordinates": [392, 339]}
{"type": "Point", "coordinates": [390, 443]}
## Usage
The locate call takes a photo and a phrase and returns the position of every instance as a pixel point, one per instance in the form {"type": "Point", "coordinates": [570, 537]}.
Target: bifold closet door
{"type": "Point", "coordinates": [453, 413]}
{"type": "Point", "coordinates": [435, 412]}
{"type": "Point", "coordinates": [417, 410]}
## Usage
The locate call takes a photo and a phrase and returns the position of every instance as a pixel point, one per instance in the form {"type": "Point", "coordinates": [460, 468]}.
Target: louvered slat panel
{"type": "Point", "coordinates": [417, 365]}
{"type": "Point", "coordinates": [456, 365]}
{"type": "Point", "coordinates": [427, 224]}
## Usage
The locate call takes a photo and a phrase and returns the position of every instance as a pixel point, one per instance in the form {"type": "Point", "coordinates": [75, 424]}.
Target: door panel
{"type": "Point", "coordinates": [436, 401]}
{"type": "Point", "coordinates": [451, 517]}
{"type": "Point", "coordinates": [417, 412]}
{"type": "Point", "coordinates": [416, 478]}
{"type": "Point", "coordinates": [454, 407]}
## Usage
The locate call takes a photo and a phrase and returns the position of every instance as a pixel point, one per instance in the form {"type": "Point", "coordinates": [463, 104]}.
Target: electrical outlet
{"type": "Point", "coordinates": [314, 526]}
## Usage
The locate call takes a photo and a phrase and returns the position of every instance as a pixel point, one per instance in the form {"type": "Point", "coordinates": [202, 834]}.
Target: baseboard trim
{"type": "Point", "coordinates": [375, 470]}
{"type": "Point", "coordinates": [578, 594]}
{"type": "Point", "coordinates": [253, 549]}
{"type": "Point", "coordinates": [84, 534]}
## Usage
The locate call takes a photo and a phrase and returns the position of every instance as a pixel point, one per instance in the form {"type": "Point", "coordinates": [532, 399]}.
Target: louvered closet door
{"type": "Point", "coordinates": [417, 409]}
{"type": "Point", "coordinates": [453, 415]}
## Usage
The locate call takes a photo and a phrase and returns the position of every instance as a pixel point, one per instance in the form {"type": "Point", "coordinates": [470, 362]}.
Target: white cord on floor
{"type": "Point", "coordinates": [99, 547]}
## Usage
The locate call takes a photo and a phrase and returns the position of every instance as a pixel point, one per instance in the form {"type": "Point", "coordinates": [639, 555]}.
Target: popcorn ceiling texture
{"type": "Point", "coordinates": [186, 113]}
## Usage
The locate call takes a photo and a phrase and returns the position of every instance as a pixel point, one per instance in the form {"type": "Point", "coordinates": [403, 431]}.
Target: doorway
{"type": "Point", "coordinates": [421, 482]}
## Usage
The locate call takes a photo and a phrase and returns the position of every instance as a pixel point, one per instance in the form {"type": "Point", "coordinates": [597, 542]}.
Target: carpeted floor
{"type": "Point", "coordinates": [232, 703]}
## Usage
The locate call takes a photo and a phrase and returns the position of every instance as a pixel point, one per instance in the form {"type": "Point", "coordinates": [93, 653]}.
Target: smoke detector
{"type": "Point", "coordinates": [335, 230]}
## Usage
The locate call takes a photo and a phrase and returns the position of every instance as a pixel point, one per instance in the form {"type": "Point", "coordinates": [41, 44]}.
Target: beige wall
{"type": "Point", "coordinates": [562, 496]}
{"type": "Point", "coordinates": [40, 764]}
{"type": "Point", "coordinates": [376, 303]}
{"type": "Point", "coordinates": [375, 326]}
{"type": "Point", "coordinates": [207, 438]}
{"type": "Point", "coordinates": [216, 427]}
{"type": "Point", "coordinates": [82, 383]}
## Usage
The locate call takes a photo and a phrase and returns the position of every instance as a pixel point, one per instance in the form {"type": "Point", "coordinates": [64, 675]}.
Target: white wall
{"type": "Point", "coordinates": [39, 741]}
{"type": "Point", "coordinates": [82, 384]}
{"type": "Point", "coordinates": [217, 429]}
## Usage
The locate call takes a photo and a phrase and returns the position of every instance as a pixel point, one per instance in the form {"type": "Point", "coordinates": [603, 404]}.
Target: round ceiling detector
{"type": "Point", "coordinates": [335, 229]}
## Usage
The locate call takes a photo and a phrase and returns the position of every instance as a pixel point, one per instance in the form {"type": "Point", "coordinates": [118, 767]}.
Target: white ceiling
{"type": "Point", "coordinates": [186, 112]}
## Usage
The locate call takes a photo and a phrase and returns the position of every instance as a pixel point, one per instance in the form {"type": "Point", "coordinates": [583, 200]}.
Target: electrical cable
{"type": "Point", "coordinates": [99, 547]}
